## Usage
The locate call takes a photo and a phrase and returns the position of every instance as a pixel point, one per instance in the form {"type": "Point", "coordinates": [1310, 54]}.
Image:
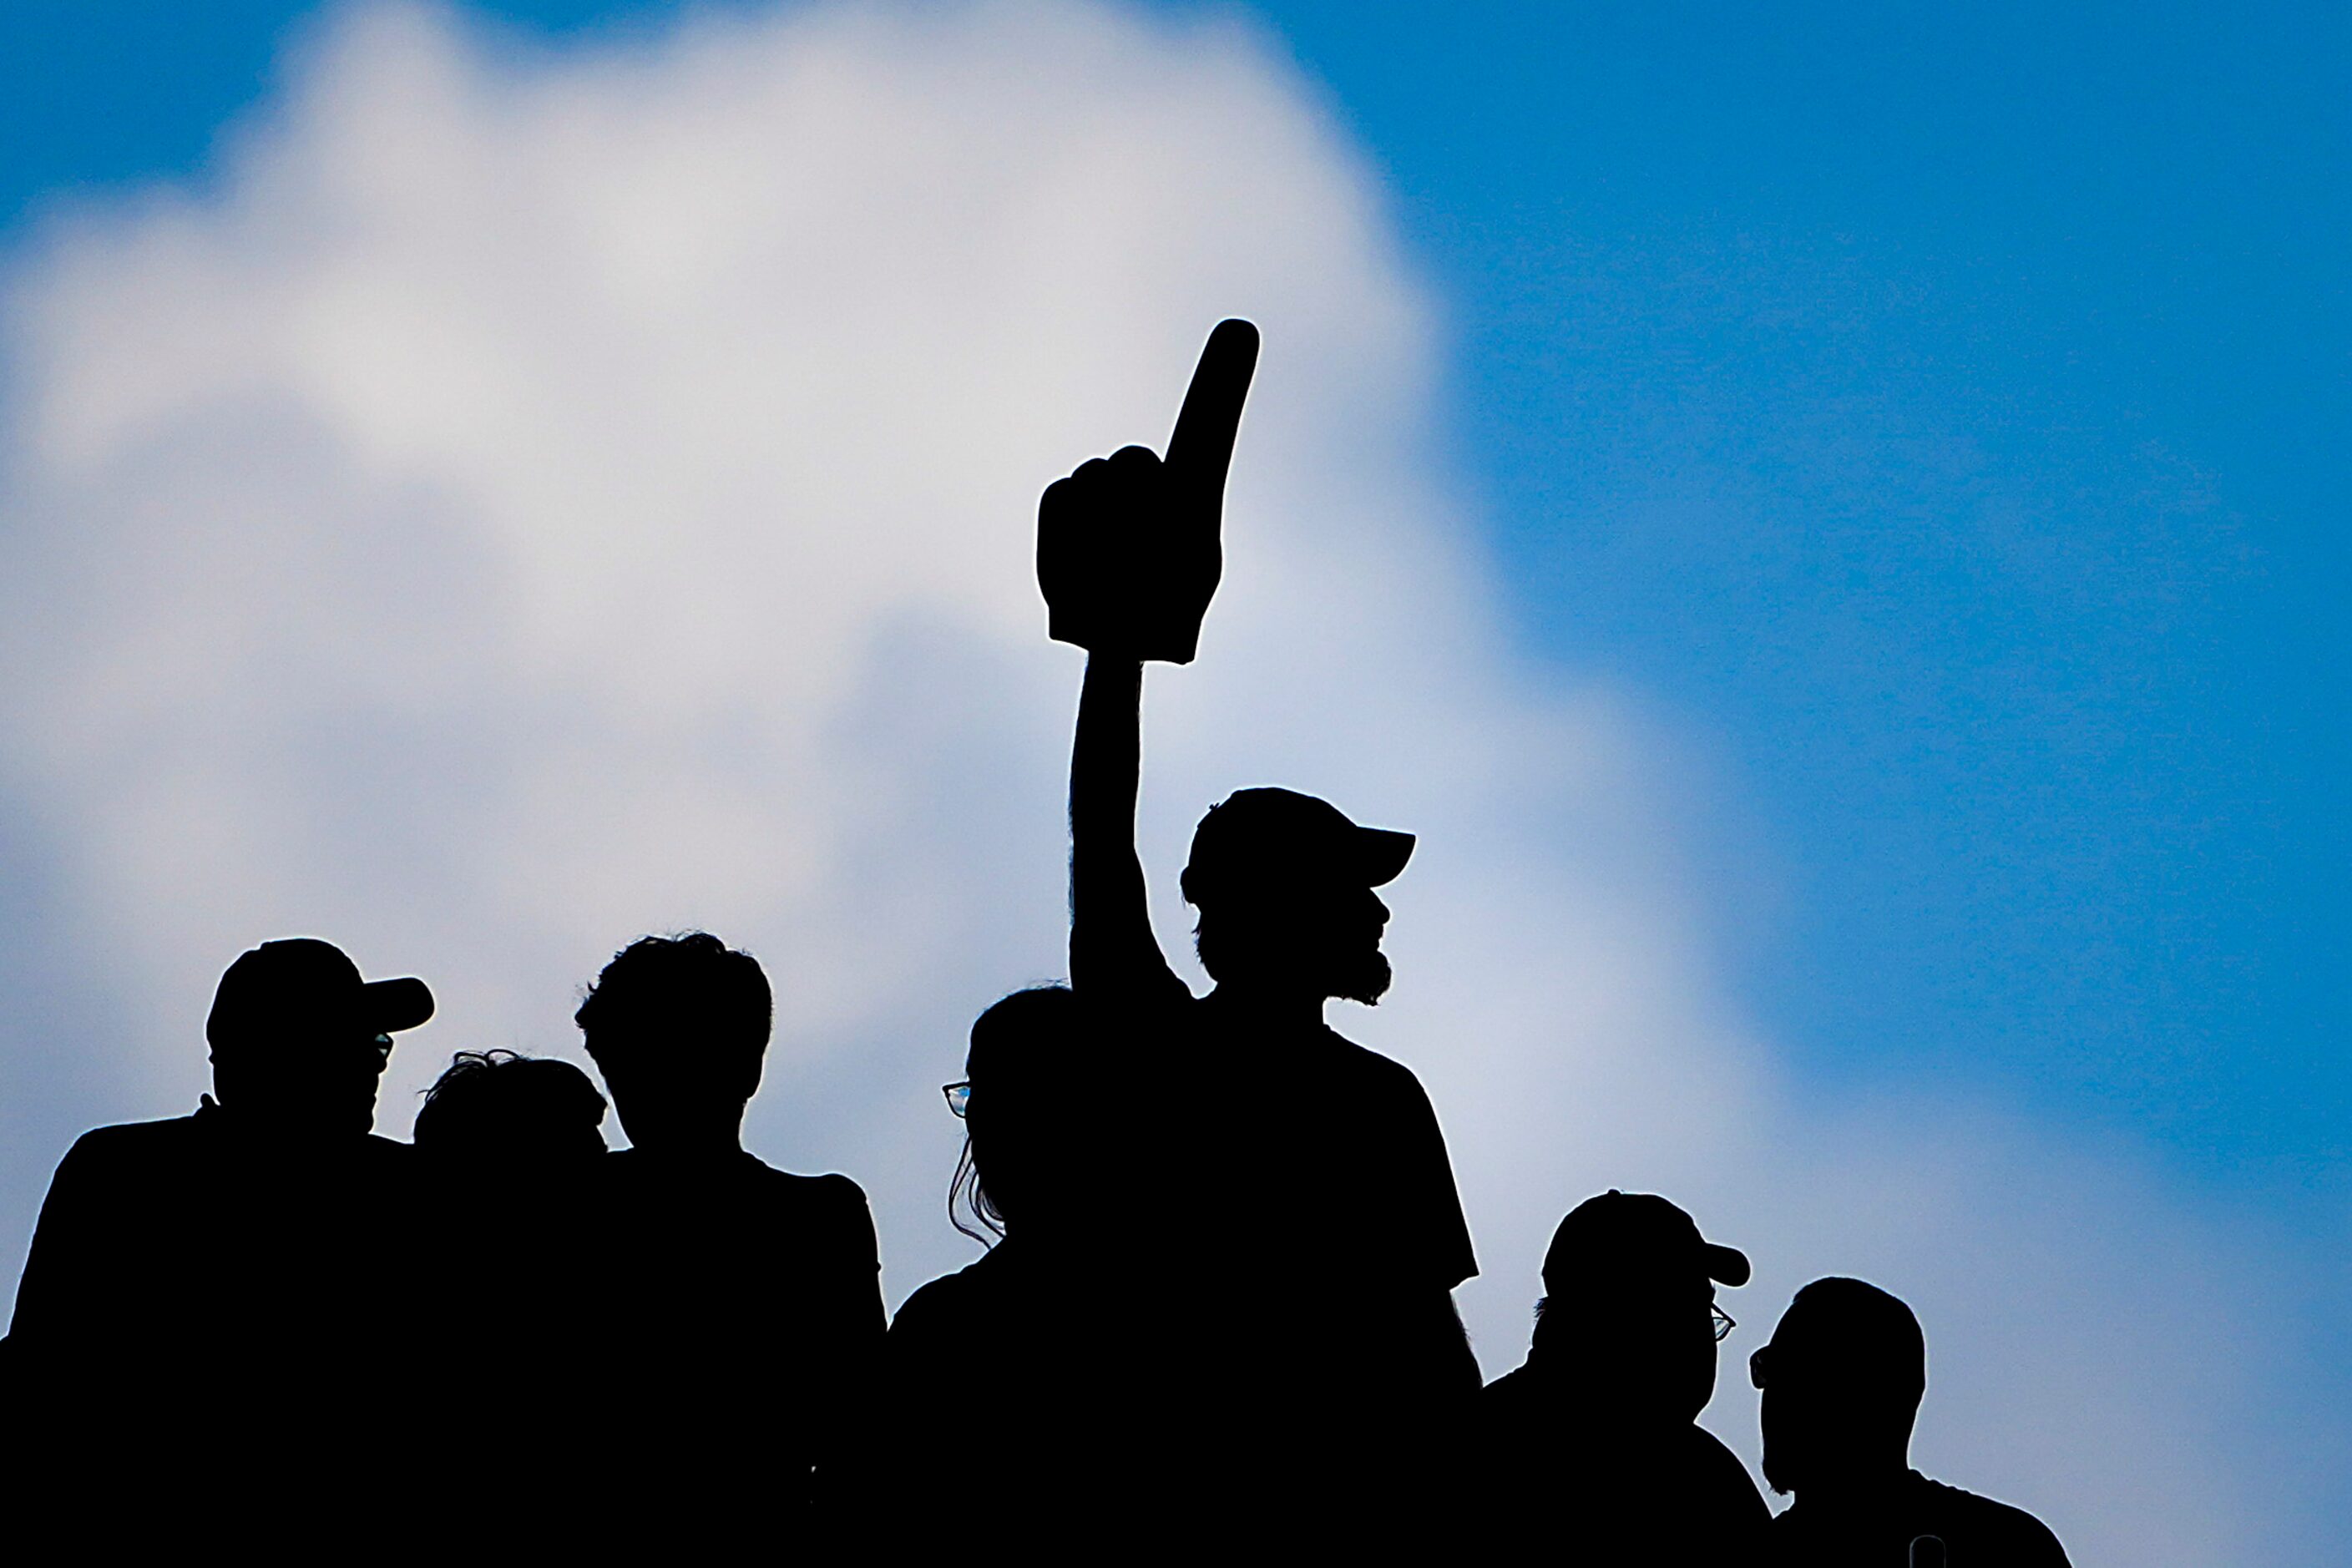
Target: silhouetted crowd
{"type": "Point", "coordinates": [1213, 1314]}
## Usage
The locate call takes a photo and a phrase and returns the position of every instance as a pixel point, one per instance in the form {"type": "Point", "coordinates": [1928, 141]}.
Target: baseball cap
{"type": "Point", "coordinates": [1260, 836]}
{"type": "Point", "coordinates": [1635, 1234]}
{"type": "Point", "coordinates": [301, 985]}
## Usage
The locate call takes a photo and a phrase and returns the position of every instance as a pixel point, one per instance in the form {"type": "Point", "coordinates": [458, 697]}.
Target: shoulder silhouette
{"type": "Point", "coordinates": [733, 1288]}
{"type": "Point", "coordinates": [1593, 1444]}
{"type": "Point", "coordinates": [1842, 1379]}
{"type": "Point", "coordinates": [207, 1299]}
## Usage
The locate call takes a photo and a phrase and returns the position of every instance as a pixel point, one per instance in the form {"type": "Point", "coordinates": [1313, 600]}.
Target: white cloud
{"type": "Point", "coordinates": [528, 500]}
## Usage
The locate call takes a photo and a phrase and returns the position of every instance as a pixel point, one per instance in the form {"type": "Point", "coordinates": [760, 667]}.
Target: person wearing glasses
{"type": "Point", "coordinates": [1842, 1379]}
{"type": "Point", "coordinates": [741, 1323]}
{"type": "Point", "coordinates": [1030, 1347]}
{"type": "Point", "coordinates": [509, 1118]}
{"type": "Point", "coordinates": [203, 1302]}
{"type": "Point", "coordinates": [508, 1148]}
{"type": "Point", "coordinates": [1594, 1442]}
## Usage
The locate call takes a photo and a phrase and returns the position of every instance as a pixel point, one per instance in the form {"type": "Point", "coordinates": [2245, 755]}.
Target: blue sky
{"type": "Point", "coordinates": [1936, 408]}
{"type": "Point", "coordinates": [1939, 415]}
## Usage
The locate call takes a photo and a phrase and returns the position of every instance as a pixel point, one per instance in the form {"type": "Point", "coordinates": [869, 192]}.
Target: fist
{"type": "Point", "coordinates": [1129, 547]}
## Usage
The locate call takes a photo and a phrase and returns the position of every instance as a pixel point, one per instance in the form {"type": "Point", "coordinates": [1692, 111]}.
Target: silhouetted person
{"type": "Point", "coordinates": [1594, 1446]}
{"type": "Point", "coordinates": [1032, 1348]}
{"type": "Point", "coordinates": [1315, 1182]}
{"type": "Point", "coordinates": [742, 1318]}
{"type": "Point", "coordinates": [502, 1115]}
{"type": "Point", "coordinates": [205, 1309]}
{"type": "Point", "coordinates": [1842, 1378]}
{"type": "Point", "coordinates": [508, 1147]}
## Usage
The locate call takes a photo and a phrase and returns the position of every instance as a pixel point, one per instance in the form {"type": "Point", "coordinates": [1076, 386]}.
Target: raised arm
{"type": "Point", "coordinates": [1129, 556]}
{"type": "Point", "coordinates": [1112, 950]}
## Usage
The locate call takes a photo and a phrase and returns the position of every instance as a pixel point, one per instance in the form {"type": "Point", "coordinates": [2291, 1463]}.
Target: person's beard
{"type": "Point", "coordinates": [1775, 1475]}
{"type": "Point", "coordinates": [1787, 1437]}
{"type": "Point", "coordinates": [1350, 968]}
{"type": "Point", "coordinates": [1359, 975]}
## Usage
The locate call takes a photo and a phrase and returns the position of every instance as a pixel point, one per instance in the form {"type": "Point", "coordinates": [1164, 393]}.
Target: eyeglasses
{"type": "Point", "coordinates": [1724, 1323]}
{"type": "Point", "coordinates": [958, 1097]}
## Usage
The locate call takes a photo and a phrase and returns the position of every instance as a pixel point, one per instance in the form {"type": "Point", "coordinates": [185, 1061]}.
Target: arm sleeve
{"type": "Point", "coordinates": [1436, 1240]}
{"type": "Point", "coordinates": [856, 1306]}
{"type": "Point", "coordinates": [848, 1338]}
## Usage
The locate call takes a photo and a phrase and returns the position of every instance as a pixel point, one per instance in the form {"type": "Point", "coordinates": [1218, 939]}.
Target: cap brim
{"type": "Point", "coordinates": [1381, 853]}
{"type": "Point", "coordinates": [1727, 1265]}
{"type": "Point", "coordinates": [395, 1005]}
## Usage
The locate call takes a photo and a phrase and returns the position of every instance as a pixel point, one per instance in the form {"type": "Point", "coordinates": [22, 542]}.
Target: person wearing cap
{"type": "Point", "coordinates": [1314, 1176]}
{"type": "Point", "coordinates": [1842, 1379]}
{"type": "Point", "coordinates": [202, 1296]}
{"type": "Point", "coordinates": [1594, 1443]}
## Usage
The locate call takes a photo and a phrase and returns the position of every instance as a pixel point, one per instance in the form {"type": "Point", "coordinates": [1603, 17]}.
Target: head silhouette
{"type": "Point", "coordinates": [298, 1040]}
{"type": "Point", "coordinates": [497, 1112]}
{"type": "Point", "coordinates": [1284, 884]}
{"type": "Point", "coordinates": [1031, 1120]}
{"type": "Point", "coordinates": [1628, 1309]}
{"type": "Point", "coordinates": [1841, 1378]}
{"type": "Point", "coordinates": [679, 1026]}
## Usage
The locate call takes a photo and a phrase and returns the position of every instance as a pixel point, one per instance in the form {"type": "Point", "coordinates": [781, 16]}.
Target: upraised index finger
{"type": "Point", "coordinates": [1201, 447]}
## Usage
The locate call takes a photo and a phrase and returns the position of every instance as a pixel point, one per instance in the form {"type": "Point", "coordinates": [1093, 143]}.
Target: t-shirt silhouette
{"type": "Point", "coordinates": [1977, 1532]}
{"type": "Point", "coordinates": [740, 1322]}
{"type": "Point", "coordinates": [1305, 1352]}
{"type": "Point", "coordinates": [1331, 1155]}
{"type": "Point", "coordinates": [1607, 1493]}
{"type": "Point", "coordinates": [211, 1308]}
{"type": "Point", "coordinates": [1315, 1181]}
{"type": "Point", "coordinates": [509, 1253]}
{"type": "Point", "coordinates": [1020, 1350]}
